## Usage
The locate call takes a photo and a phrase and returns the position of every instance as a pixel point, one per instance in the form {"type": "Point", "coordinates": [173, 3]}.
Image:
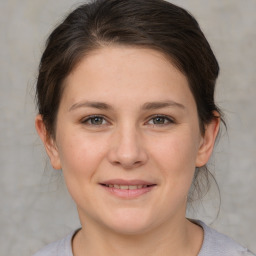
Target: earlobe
{"type": "Point", "coordinates": [208, 141]}
{"type": "Point", "coordinates": [49, 143]}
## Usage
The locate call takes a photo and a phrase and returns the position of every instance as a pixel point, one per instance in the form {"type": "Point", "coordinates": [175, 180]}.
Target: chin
{"type": "Point", "coordinates": [129, 222]}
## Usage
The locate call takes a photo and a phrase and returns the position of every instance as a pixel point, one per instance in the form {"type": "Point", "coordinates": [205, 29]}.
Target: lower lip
{"type": "Point", "coordinates": [128, 193]}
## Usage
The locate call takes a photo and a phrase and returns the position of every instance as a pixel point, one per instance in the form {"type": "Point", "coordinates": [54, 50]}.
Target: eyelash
{"type": "Point", "coordinates": [166, 120]}
{"type": "Point", "coordinates": [164, 117]}
{"type": "Point", "coordinates": [90, 118]}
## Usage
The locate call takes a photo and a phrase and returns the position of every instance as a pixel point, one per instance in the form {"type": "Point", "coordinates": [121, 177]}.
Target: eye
{"type": "Point", "coordinates": [160, 120]}
{"type": "Point", "coordinates": [94, 120]}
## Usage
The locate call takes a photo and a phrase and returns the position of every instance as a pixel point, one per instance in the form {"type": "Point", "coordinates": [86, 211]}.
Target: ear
{"type": "Point", "coordinates": [49, 142]}
{"type": "Point", "coordinates": [208, 141]}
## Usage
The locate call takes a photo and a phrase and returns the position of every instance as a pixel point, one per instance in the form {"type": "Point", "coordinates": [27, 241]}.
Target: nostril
{"type": "Point", "coordinates": [138, 163]}
{"type": "Point", "coordinates": [127, 165]}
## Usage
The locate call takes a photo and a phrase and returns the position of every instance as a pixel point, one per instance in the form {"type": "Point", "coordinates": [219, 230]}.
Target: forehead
{"type": "Point", "coordinates": [128, 74]}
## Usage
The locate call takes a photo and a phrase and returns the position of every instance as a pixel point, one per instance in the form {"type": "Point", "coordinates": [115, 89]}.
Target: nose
{"type": "Point", "coordinates": [127, 149]}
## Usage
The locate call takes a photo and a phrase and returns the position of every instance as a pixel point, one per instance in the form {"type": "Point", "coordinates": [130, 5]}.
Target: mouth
{"type": "Point", "coordinates": [127, 189]}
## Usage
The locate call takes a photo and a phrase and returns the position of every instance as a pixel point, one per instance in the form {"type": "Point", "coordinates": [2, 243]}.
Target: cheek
{"type": "Point", "coordinates": [178, 149]}
{"type": "Point", "coordinates": [176, 156]}
{"type": "Point", "coordinates": [80, 157]}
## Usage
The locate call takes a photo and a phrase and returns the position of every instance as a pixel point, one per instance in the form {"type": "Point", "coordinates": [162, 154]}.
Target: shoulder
{"type": "Point", "coordinates": [61, 247]}
{"type": "Point", "coordinates": [217, 244]}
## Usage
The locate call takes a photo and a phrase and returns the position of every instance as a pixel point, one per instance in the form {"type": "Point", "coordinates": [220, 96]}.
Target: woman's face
{"type": "Point", "coordinates": [128, 140]}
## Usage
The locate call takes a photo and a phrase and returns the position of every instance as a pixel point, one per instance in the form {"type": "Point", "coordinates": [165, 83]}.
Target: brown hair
{"type": "Point", "coordinates": [154, 24]}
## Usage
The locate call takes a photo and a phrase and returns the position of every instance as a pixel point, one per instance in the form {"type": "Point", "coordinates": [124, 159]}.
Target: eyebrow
{"type": "Point", "coordinates": [161, 104]}
{"type": "Point", "coordinates": [91, 104]}
{"type": "Point", "coordinates": [145, 106]}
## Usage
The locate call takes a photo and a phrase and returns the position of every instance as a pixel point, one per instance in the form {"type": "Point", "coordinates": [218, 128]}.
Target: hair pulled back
{"type": "Point", "coordinates": [154, 24]}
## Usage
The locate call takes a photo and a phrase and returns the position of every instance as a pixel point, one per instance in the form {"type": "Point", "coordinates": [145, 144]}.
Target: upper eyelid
{"type": "Point", "coordinates": [84, 119]}
{"type": "Point", "coordinates": [163, 116]}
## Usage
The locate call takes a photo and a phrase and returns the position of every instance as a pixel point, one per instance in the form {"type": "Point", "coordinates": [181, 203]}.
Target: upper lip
{"type": "Point", "coordinates": [127, 182]}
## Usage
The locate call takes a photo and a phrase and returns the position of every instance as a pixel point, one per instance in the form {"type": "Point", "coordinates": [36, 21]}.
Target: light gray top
{"type": "Point", "coordinates": [214, 244]}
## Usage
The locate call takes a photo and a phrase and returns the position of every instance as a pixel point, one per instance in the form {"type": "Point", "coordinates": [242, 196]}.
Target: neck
{"type": "Point", "coordinates": [180, 238]}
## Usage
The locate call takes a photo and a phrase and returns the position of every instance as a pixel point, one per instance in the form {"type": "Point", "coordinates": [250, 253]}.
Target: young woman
{"type": "Point", "coordinates": [126, 110]}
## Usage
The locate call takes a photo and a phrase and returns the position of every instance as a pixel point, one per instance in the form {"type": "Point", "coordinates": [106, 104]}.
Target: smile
{"type": "Point", "coordinates": [126, 187]}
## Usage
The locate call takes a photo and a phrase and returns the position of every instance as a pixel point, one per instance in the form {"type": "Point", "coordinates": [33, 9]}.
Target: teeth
{"type": "Point", "coordinates": [130, 187]}
{"type": "Point", "coordinates": [124, 187]}
{"type": "Point", "coordinates": [133, 187]}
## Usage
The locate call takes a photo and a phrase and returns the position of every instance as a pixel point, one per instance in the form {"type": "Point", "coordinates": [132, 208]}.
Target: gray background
{"type": "Point", "coordinates": [35, 207]}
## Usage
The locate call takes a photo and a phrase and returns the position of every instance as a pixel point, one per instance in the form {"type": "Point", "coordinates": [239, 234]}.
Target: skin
{"type": "Point", "coordinates": [127, 141]}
